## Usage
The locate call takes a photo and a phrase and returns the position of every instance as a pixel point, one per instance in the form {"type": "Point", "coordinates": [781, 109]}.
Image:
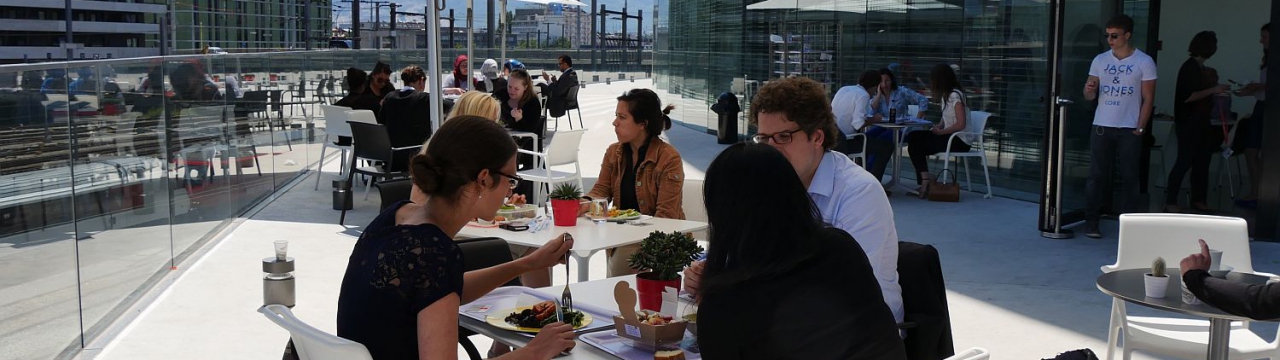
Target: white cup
{"type": "Point", "coordinates": [282, 249]}
{"type": "Point", "coordinates": [1215, 256]}
{"type": "Point", "coordinates": [1187, 297]}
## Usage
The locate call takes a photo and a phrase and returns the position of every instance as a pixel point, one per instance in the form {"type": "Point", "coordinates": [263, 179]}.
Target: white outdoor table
{"type": "Point", "coordinates": [596, 293]}
{"type": "Point", "coordinates": [589, 237]}
{"type": "Point", "coordinates": [894, 183]}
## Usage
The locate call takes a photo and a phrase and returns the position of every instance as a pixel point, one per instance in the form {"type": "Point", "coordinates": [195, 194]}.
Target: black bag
{"type": "Point", "coordinates": [1082, 354]}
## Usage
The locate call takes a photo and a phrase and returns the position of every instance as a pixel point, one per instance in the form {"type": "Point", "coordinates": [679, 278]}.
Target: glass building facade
{"type": "Point", "coordinates": [705, 48]}
{"type": "Point", "coordinates": [251, 25]}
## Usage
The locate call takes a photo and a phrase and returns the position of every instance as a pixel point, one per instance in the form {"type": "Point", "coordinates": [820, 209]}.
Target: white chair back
{"type": "Point", "coordinates": [977, 121]}
{"type": "Point", "coordinates": [1143, 237]}
{"type": "Point", "coordinates": [563, 149]}
{"type": "Point", "coordinates": [976, 353]}
{"type": "Point", "coordinates": [364, 116]}
{"type": "Point", "coordinates": [312, 343]}
{"type": "Point", "coordinates": [335, 118]}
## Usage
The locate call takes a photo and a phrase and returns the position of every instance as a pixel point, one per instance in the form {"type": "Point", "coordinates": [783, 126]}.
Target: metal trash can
{"type": "Point", "coordinates": [341, 195]}
{"type": "Point", "coordinates": [727, 109]}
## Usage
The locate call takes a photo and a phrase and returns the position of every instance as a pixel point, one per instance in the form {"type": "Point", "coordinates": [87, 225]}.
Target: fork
{"type": "Point", "coordinates": [566, 298]}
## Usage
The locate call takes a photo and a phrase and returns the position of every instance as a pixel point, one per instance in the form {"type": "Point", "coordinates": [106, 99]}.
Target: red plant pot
{"type": "Point", "coordinates": [565, 212]}
{"type": "Point", "coordinates": [650, 290]}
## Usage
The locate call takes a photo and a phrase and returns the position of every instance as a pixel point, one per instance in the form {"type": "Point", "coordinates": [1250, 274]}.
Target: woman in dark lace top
{"type": "Point", "coordinates": [404, 281]}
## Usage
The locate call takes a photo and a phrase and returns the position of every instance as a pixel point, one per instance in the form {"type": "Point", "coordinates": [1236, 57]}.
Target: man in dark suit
{"type": "Point", "coordinates": [558, 100]}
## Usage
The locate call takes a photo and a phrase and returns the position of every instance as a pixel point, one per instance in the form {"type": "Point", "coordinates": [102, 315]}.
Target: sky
{"type": "Point", "coordinates": [342, 11]}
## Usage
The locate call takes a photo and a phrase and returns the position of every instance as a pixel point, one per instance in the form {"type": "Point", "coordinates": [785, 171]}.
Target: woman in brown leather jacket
{"type": "Point", "coordinates": [640, 171]}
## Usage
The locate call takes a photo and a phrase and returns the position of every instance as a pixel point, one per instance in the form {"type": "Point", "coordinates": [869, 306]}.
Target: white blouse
{"type": "Point", "coordinates": [949, 117]}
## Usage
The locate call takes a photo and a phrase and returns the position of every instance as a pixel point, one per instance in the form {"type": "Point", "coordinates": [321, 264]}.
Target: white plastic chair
{"type": "Point", "coordinates": [312, 343]}
{"type": "Point", "coordinates": [335, 118]}
{"type": "Point", "coordinates": [560, 153]}
{"type": "Point", "coordinates": [976, 124]}
{"type": "Point", "coordinates": [1143, 237]}
{"type": "Point", "coordinates": [975, 353]}
{"type": "Point", "coordinates": [860, 155]}
{"type": "Point", "coordinates": [364, 116]}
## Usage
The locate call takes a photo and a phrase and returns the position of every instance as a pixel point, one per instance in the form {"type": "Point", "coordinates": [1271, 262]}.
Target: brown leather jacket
{"type": "Point", "coordinates": [659, 180]}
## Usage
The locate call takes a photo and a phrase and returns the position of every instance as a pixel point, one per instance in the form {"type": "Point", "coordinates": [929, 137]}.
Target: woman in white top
{"type": "Point", "coordinates": [457, 83]}
{"type": "Point", "coordinates": [946, 90]}
{"type": "Point", "coordinates": [1252, 128]}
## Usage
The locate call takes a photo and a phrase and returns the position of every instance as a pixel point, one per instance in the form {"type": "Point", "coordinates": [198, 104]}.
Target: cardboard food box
{"type": "Point", "coordinates": [649, 336]}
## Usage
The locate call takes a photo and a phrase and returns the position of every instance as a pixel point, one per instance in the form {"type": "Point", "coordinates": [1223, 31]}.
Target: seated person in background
{"type": "Point", "coordinates": [770, 263]}
{"type": "Point", "coordinates": [891, 96]}
{"type": "Point", "coordinates": [489, 80]}
{"type": "Point", "coordinates": [476, 103]}
{"type": "Point", "coordinates": [359, 97]}
{"type": "Point", "coordinates": [946, 90]}
{"type": "Point", "coordinates": [1259, 302]}
{"type": "Point", "coordinates": [852, 108]}
{"type": "Point", "coordinates": [458, 83]}
{"type": "Point", "coordinates": [521, 111]}
{"type": "Point", "coordinates": [404, 280]}
{"type": "Point", "coordinates": [405, 113]}
{"type": "Point", "coordinates": [640, 171]}
{"type": "Point", "coordinates": [380, 83]}
{"type": "Point", "coordinates": [557, 90]}
{"type": "Point", "coordinates": [795, 117]}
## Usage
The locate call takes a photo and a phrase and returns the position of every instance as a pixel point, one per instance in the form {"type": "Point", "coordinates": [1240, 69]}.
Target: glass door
{"type": "Point", "coordinates": [1078, 26]}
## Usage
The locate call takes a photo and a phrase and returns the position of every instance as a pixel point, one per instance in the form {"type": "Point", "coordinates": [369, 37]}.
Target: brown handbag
{"type": "Point", "coordinates": [941, 190]}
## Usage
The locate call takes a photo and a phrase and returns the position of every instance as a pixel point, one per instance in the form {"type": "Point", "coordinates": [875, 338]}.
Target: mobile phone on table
{"type": "Point", "coordinates": [511, 227]}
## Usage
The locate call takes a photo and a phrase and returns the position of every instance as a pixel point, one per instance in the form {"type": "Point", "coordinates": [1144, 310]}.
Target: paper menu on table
{"type": "Point", "coordinates": [624, 348]}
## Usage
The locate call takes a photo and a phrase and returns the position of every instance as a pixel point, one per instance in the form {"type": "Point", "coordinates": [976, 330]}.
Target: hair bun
{"type": "Point", "coordinates": [425, 173]}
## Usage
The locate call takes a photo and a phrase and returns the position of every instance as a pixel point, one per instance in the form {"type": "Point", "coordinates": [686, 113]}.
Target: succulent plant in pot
{"type": "Point", "coordinates": [1156, 282]}
{"type": "Point", "coordinates": [564, 203]}
{"type": "Point", "coordinates": [661, 258]}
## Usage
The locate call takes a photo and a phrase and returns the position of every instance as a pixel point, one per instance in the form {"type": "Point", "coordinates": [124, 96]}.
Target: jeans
{"type": "Point", "coordinates": [1107, 144]}
{"type": "Point", "coordinates": [878, 148]}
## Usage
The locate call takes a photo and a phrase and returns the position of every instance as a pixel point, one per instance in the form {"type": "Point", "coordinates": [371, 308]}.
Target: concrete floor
{"type": "Point", "coordinates": [1009, 290]}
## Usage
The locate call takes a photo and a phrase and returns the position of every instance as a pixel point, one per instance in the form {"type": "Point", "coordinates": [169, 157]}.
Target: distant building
{"type": "Point", "coordinates": [35, 30]}
{"type": "Point", "coordinates": [250, 25]}
{"type": "Point", "coordinates": [545, 24]}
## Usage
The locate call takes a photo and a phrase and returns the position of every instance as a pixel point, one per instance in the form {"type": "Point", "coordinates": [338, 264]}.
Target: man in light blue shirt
{"type": "Point", "coordinates": [795, 117]}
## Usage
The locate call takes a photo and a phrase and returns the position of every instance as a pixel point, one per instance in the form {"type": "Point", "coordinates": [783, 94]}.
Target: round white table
{"type": "Point", "coordinates": [897, 147]}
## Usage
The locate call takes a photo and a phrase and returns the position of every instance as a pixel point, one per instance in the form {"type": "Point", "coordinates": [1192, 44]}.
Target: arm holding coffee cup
{"type": "Point", "coordinates": [1261, 302]}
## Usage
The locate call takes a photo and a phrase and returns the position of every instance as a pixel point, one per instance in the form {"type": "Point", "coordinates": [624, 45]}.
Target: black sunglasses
{"type": "Point", "coordinates": [1113, 36]}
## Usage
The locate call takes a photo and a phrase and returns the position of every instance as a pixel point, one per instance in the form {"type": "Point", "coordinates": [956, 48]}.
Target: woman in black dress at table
{"type": "Point", "coordinates": [522, 111]}
{"type": "Point", "coordinates": [404, 281]}
{"type": "Point", "coordinates": [769, 272]}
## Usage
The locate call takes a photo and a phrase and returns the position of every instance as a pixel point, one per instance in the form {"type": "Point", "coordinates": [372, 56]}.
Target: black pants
{"type": "Point", "coordinates": [922, 144]}
{"type": "Point", "coordinates": [1112, 150]}
{"type": "Point", "coordinates": [878, 148]}
{"type": "Point", "coordinates": [1196, 145]}
{"type": "Point", "coordinates": [525, 162]}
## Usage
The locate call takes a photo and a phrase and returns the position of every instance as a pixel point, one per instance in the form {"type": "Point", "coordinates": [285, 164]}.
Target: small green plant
{"type": "Point", "coordinates": [1157, 267]}
{"type": "Point", "coordinates": [665, 254]}
{"type": "Point", "coordinates": [566, 191]}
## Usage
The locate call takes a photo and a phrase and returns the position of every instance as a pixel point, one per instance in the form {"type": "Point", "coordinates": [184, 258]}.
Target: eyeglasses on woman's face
{"type": "Point", "coordinates": [779, 138]}
{"type": "Point", "coordinates": [512, 179]}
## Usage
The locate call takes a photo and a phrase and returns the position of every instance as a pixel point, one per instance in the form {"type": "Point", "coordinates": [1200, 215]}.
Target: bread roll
{"type": "Point", "coordinates": [669, 355]}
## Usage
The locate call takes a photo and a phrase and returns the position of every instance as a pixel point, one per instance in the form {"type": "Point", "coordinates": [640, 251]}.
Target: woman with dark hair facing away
{"type": "Point", "coordinates": [522, 111]}
{"type": "Point", "coordinates": [405, 112]}
{"type": "Point", "coordinates": [640, 171]}
{"type": "Point", "coordinates": [404, 281]}
{"type": "Point", "coordinates": [1252, 128]}
{"type": "Point", "coordinates": [946, 90]}
{"type": "Point", "coordinates": [770, 263]}
{"type": "Point", "coordinates": [1193, 100]}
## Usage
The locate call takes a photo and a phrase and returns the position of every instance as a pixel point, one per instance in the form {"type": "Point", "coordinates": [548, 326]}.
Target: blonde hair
{"type": "Point", "coordinates": [475, 103]}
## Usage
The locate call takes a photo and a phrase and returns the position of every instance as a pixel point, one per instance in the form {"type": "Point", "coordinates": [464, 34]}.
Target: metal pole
{"type": "Point", "coordinates": [594, 33]}
{"type": "Point", "coordinates": [69, 34]}
{"type": "Point", "coordinates": [433, 64]}
{"type": "Point", "coordinates": [470, 41]}
{"type": "Point", "coordinates": [355, 22]}
{"type": "Point", "coordinates": [502, 22]}
{"type": "Point", "coordinates": [306, 25]}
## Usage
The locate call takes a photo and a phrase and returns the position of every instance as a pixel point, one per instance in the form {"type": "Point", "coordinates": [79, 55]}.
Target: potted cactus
{"type": "Point", "coordinates": [1156, 281]}
{"type": "Point", "coordinates": [564, 204]}
{"type": "Point", "coordinates": [661, 258]}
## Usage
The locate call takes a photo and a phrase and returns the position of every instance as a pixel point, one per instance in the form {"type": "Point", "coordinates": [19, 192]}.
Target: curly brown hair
{"type": "Point", "coordinates": [803, 101]}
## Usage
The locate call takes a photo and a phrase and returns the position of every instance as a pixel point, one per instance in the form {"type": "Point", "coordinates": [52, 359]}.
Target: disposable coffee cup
{"type": "Point", "coordinates": [282, 249]}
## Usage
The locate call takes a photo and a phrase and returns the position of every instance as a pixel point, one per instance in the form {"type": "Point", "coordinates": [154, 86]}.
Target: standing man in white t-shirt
{"type": "Point", "coordinates": [1123, 81]}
